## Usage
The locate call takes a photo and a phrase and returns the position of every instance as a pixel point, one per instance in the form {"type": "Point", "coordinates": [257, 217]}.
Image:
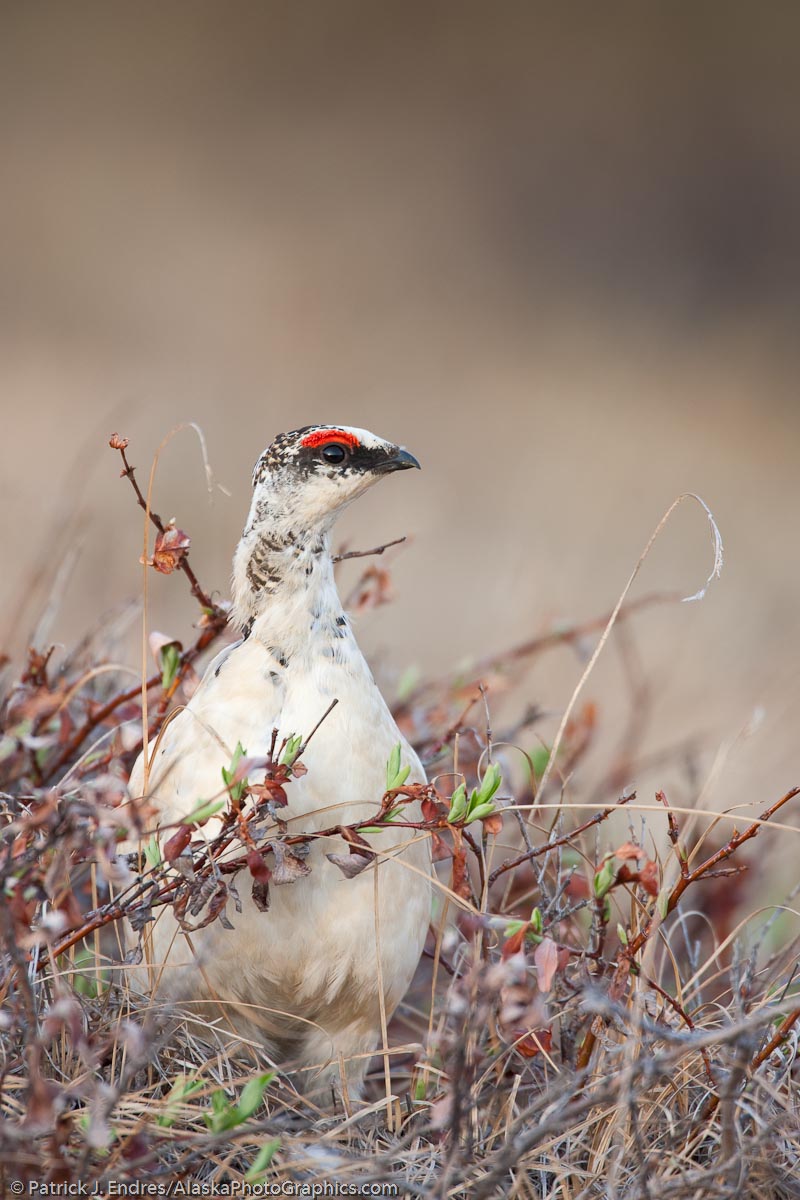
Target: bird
{"type": "Point", "coordinates": [315, 977]}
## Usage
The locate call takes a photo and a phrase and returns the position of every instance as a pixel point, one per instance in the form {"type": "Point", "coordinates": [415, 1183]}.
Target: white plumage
{"type": "Point", "coordinates": [302, 978]}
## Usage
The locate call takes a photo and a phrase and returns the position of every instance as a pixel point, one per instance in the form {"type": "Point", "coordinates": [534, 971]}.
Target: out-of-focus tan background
{"type": "Point", "coordinates": [552, 249]}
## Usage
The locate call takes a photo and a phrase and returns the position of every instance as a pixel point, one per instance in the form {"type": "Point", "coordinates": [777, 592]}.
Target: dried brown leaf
{"type": "Point", "coordinates": [288, 867]}
{"type": "Point", "coordinates": [493, 823]}
{"type": "Point", "coordinates": [349, 864]}
{"type": "Point", "coordinates": [170, 549]}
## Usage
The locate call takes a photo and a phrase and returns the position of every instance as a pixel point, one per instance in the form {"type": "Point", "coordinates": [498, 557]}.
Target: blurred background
{"type": "Point", "coordinates": [554, 250]}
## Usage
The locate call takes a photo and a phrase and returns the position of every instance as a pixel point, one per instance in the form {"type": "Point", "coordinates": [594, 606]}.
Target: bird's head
{"type": "Point", "coordinates": [305, 478]}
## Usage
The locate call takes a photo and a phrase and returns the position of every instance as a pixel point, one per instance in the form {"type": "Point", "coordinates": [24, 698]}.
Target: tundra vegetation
{"type": "Point", "coordinates": [608, 1003]}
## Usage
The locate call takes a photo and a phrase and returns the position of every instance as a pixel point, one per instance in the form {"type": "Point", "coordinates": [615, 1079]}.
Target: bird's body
{"type": "Point", "coordinates": [303, 977]}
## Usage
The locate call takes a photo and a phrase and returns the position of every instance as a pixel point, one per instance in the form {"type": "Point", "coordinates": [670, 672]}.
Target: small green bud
{"type": "Point", "coordinates": [237, 789]}
{"type": "Point", "coordinates": [480, 811]}
{"type": "Point", "coordinates": [395, 774]}
{"type": "Point", "coordinates": [204, 810]}
{"type": "Point", "coordinates": [291, 750]}
{"type": "Point", "coordinates": [170, 660]}
{"type": "Point", "coordinates": [458, 804]}
{"type": "Point", "coordinates": [604, 878]}
{"type": "Point", "coordinates": [152, 853]}
{"type": "Point", "coordinates": [490, 783]}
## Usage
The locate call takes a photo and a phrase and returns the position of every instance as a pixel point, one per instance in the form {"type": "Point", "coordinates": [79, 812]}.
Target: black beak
{"type": "Point", "coordinates": [400, 460]}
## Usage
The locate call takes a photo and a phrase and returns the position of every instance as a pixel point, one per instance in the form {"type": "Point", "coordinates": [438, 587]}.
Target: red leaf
{"type": "Point", "coordinates": [629, 850]}
{"type": "Point", "coordinates": [257, 867]}
{"type": "Point", "coordinates": [176, 845]}
{"type": "Point", "coordinates": [430, 810]}
{"type": "Point", "coordinates": [268, 789]}
{"type": "Point", "coordinates": [515, 943]}
{"type": "Point", "coordinates": [534, 1042]}
{"type": "Point", "coordinates": [578, 887]}
{"type": "Point", "coordinates": [546, 958]}
{"type": "Point", "coordinates": [648, 877]}
{"type": "Point", "coordinates": [441, 849]}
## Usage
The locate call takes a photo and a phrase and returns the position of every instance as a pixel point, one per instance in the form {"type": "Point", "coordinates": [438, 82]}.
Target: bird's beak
{"type": "Point", "coordinates": [400, 460]}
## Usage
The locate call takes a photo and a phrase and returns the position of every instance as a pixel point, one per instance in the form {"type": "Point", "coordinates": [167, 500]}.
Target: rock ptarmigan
{"type": "Point", "coordinates": [301, 978]}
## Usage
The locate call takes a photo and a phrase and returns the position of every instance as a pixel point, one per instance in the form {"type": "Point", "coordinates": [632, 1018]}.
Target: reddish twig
{"type": "Point", "coordinates": [197, 591]}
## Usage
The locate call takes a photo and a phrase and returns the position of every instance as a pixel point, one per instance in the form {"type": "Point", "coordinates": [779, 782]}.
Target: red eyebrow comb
{"type": "Point", "coordinates": [329, 435]}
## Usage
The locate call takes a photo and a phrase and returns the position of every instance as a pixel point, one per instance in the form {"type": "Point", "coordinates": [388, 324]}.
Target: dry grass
{"type": "Point", "coordinates": [602, 1010]}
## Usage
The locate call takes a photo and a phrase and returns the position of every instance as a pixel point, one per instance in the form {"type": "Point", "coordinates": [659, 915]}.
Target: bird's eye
{"type": "Point", "coordinates": [334, 452]}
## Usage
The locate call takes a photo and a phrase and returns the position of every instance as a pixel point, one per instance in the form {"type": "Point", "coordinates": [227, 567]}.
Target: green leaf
{"type": "Point", "coordinates": [253, 1094]}
{"type": "Point", "coordinates": [152, 853]}
{"type": "Point", "coordinates": [622, 934]}
{"type": "Point", "coordinates": [291, 749]}
{"type": "Point", "coordinates": [236, 789]}
{"type": "Point", "coordinates": [224, 1115]}
{"type": "Point", "coordinates": [170, 659]}
{"type": "Point", "coordinates": [261, 1161]}
{"type": "Point", "coordinates": [604, 878]}
{"type": "Point", "coordinates": [204, 810]}
{"type": "Point", "coordinates": [88, 985]}
{"type": "Point", "coordinates": [479, 811]}
{"type": "Point", "coordinates": [536, 921]}
{"type": "Point", "coordinates": [540, 757]}
{"type": "Point", "coordinates": [395, 774]}
{"type": "Point", "coordinates": [180, 1091]}
{"type": "Point", "coordinates": [458, 804]}
{"type": "Point", "coordinates": [392, 767]}
{"type": "Point", "coordinates": [489, 784]}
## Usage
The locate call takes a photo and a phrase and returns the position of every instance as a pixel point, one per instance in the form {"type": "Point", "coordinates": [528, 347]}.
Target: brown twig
{"type": "Point", "coordinates": [685, 880]}
{"type": "Point", "coordinates": [197, 591]}
{"type": "Point", "coordinates": [337, 558]}
{"type": "Point", "coordinates": [214, 621]}
{"type": "Point", "coordinates": [597, 819]}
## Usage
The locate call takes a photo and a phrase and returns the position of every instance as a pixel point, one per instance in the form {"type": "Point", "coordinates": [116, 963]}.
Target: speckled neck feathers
{"type": "Point", "coordinates": [283, 586]}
